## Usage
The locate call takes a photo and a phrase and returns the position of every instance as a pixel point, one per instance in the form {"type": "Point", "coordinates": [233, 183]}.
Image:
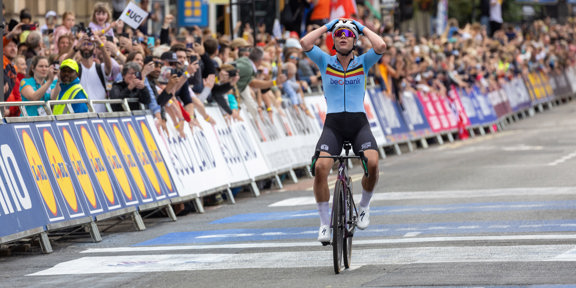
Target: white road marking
{"type": "Point", "coordinates": [316, 244]}
{"type": "Point", "coordinates": [563, 159]}
{"type": "Point", "coordinates": [455, 194]}
{"type": "Point", "coordinates": [301, 259]}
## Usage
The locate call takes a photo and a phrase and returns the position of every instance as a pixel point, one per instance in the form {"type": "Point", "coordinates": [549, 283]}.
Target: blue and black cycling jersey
{"type": "Point", "coordinates": [344, 90]}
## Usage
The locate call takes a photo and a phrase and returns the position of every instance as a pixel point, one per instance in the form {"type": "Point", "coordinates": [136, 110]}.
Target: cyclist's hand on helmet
{"type": "Point", "coordinates": [331, 24]}
{"type": "Point", "coordinates": [360, 26]}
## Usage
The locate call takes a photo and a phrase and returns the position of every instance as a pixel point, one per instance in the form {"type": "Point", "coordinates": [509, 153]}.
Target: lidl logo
{"type": "Point", "coordinates": [130, 160]}
{"type": "Point", "coordinates": [144, 159]}
{"type": "Point", "coordinates": [156, 156]}
{"type": "Point", "coordinates": [79, 168]}
{"type": "Point", "coordinates": [39, 171]}
{"type": "Point", "coordinates": [115, 162]}
{"type": "Point", "coordinates": [60, 170]}
{"type": "Point", "coordinates": [96, 163]}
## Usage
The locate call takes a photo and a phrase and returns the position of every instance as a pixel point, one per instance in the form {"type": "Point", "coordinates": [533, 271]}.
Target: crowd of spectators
{"type": "Point", "coordinates": [181, 70]}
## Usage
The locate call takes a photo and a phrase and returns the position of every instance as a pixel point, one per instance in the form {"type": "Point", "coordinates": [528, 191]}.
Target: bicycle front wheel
{"type": "Point", "coordinates": [338, 225]}
{"type": "Point", "coordinates": [349, 227]}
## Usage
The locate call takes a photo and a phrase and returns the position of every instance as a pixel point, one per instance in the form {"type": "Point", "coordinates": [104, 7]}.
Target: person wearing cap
{"type": "Point", "coordinates": [69, 88]}
{"type": "Point", "coordinates": [48, 27]}
{"type": "Point", "coordinates": [240, 48]}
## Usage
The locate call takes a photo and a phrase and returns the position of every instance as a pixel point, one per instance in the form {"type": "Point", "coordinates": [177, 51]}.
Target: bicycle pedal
{"type": "Point", "coordinates": [325, 243]}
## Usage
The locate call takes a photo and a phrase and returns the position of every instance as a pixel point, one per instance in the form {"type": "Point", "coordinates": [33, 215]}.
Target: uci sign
{"type": "Point", "coordinates": [133, 15]}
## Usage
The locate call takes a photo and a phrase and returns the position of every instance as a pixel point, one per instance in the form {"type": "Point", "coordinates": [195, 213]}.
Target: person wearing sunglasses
{"type": "Point", "coordinates": [344, 83]}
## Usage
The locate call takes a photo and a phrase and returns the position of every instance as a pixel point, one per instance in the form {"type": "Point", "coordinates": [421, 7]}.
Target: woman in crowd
{"type": "Point", "coordinates": [39, 85]}
{"type": "Point", "coordinates": [132, 86]}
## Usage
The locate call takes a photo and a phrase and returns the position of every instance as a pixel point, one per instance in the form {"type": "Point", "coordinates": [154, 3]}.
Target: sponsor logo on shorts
{"type": "Point", "coordinates": [366, 145]}
{"type": "Point", "coordinates": [324, 147]}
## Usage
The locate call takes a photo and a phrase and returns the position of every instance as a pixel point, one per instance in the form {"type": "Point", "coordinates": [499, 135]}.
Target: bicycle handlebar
{"type": "Point", "coordinates": [340, 158]}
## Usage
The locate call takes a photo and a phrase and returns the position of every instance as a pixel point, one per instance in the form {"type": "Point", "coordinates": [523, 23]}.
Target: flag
{"type": "Point", "coordinates": [133, 15]}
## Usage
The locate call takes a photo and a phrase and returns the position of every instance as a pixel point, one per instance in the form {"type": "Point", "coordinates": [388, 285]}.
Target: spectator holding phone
{"type": "Point", "coordinates": [132, 86]}
{"type": "Point", "coordinates": [39, 85]}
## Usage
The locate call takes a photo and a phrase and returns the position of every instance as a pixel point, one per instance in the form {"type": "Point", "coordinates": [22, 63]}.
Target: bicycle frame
{"type": "Point", "coordinates": [344, 214]}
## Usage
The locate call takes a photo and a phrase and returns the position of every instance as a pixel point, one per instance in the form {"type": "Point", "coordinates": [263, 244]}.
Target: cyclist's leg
{"type": "Point", "coordinates": [326, 144]}
{"type": "Point", "coordinates": [364, 140]}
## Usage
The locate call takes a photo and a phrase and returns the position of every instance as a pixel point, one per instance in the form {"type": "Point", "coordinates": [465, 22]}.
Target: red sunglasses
{"type": "Point", "coordinates": [344, 31]}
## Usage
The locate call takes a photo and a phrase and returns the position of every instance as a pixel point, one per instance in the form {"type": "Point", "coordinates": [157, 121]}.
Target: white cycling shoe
{"type": "Point", "coordinates": [324, 233]}
{"type": "Point", "coordinates": [363, 217]}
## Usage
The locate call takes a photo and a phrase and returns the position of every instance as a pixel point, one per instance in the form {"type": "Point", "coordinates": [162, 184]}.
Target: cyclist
{"type": "Point", "coordinates": [344, 82]}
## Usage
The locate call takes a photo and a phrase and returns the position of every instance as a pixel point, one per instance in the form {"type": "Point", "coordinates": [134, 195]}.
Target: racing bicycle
{"type": "Point", "coordinates": [344, 213]}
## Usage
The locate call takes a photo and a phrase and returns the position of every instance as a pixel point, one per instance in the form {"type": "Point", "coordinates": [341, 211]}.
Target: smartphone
{"type": "Point", "coordinates": [151, 42]}
{"type": "Point", "coordinates": [165, 73]}
{"type": "Point", "coordinates": [176, 72]}
{"type": "Point", "coordinates": [56, 64]}
{"type": "Point", "coordinates": [189, 45]}
{"type": "Point", "coordinates": [198, 39]}
{"type": "Point", "coordinates": [232, 73]}
{"type": "Point", "coordinates": [138, 75]}
{"type": "Point", "coordinates": [109, 38]}
{"type": "Point", "coordinates": [27, 27]}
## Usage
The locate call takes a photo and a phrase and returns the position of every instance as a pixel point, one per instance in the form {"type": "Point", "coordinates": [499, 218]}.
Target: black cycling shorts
{"type": "Point", "coordinates": [346, 126]}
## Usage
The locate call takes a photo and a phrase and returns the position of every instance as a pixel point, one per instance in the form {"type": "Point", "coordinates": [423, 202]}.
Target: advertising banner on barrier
{"type": "Point", "coordinates": [304, 133]}
{"type": "Point", "coordinates": [540, 89]}
{"type": "Point", "coordinates": [138, 163]}
{"type": "Point", "coordinates": [389, 116]}
{"type": "Point", "coordinates": [271, 140]}
{"type": "Point", "coordinates": [414, 117]}
{"type": "Point", "coordinates": [21, 208]}
{"type": "Point", "coordinates": [547, 87]}
{"type": "Point", "coordinates": [499, 102]}
{"type": "Point", "coordinates": [439, 118]}
{"type": "Point", "coordinates": [194, 162]}
{"type": "Point", "coordinates": [477, 106]}
{"type": "Point", "coordinates": [52, 176]}
{"type": "Point", "coordinates": [372, 116]}
{"type": "Point", "coordinates": [317, 106]}
{"type": "Point", "coordinates": [559, 83]}
{"type": "Point", "coordinates": [570, 73]}
{"type": "Point", "coordinates": [143, 135]}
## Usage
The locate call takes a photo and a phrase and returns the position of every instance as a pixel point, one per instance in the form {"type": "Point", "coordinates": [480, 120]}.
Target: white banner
{"type": "Point", "coordinates": [133, 15]}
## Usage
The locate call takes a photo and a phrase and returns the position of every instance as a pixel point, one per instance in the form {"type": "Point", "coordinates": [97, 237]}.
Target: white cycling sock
{"type": "Point", "coordinates": [324, 211]}
{"type": "Point", "coordinates": [366, 196]}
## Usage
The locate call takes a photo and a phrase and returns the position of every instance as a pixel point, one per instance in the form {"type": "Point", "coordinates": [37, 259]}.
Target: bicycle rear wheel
{"type": "Point", "coordinates": [338, 226]}
{"type": "Point", "coordinates": [349, 227]}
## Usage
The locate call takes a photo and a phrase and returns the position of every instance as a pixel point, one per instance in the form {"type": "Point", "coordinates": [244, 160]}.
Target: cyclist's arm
{"type": "Point", "coordinates": [378, 43]}
{"type": "Point", "coordinates": [307, 41]}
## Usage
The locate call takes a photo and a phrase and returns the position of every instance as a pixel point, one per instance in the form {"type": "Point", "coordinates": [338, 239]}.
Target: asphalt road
{"type": "Point", "coordinates": [492, 211]}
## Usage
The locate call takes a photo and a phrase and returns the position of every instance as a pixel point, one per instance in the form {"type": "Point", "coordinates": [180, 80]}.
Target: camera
{"type": "Point", "coordinates": [174, 71]}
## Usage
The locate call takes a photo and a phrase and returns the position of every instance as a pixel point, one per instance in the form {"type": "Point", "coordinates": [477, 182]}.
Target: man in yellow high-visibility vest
{"type": "Point", "coordinates": [70, 88]}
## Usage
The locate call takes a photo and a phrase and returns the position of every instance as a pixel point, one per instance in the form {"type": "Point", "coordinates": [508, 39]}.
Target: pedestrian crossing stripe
{"type": "Point", "coordinates": [304, 259]}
